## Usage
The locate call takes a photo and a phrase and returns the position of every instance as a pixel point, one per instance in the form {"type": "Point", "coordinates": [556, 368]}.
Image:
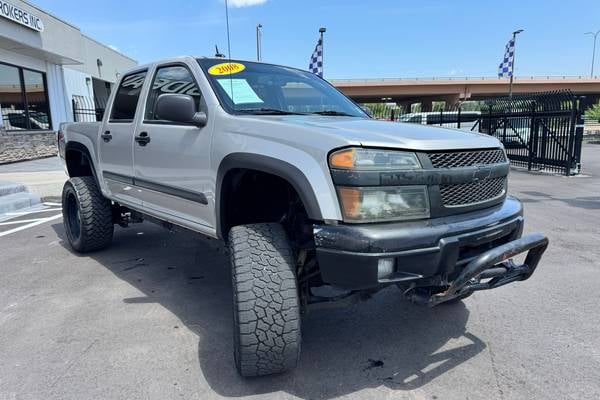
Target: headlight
{"type": "Point", "coordinates": [360, 159]}
{"type": "Point", "coordinates": [371, 204]}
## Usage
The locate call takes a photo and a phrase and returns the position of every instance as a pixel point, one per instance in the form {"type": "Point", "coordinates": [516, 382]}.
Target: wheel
{"type": "Point", "coordinates": [266, 308]}
{"type": "Point", "coordinates": [87, 215]}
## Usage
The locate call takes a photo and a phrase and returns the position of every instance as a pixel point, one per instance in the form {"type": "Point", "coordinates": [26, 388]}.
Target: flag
{"type": "Point", "coordinates": [316, 60]}
{"type": "Point", "coordinates": [505, 69]}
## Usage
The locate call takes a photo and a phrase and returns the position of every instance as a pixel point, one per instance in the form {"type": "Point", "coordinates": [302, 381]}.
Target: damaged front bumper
{"type": "Point", "coordinates": [454, 254]}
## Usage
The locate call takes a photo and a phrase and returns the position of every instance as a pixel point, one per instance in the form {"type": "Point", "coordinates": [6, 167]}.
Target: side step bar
{"type": "Point", "coordinates": [497, 266]}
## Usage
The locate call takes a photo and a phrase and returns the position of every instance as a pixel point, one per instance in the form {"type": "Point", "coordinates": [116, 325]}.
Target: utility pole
{"type": "Point", "coordinates": [510, 87]}
{"type": "Point", "coordinates": [322, 31]}
{"type": "Point", "coordinates": [258, 40]}
{"type": "Point", "coordinates": [595, 35]}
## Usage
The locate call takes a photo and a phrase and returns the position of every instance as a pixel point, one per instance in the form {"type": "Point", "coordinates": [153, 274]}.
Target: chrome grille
{"type": "Point", "coordinates": [467, 158]}
{"type": "Point", "coordinates": [463, 194]}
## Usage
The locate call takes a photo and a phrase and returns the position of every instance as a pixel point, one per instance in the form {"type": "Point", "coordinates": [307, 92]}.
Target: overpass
{"type": "Point", "coordinates": [453, 89]}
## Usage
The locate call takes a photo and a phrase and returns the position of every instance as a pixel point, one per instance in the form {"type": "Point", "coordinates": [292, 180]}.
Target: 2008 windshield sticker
{"type": "Point", "coordinates": [226, 68]}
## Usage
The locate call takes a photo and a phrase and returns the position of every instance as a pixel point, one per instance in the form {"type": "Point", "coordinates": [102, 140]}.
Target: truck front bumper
{"type": "Point", "coordinates": [454, 252]}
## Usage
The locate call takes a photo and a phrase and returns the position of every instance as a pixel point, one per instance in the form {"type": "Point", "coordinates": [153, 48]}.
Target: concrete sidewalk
{"type": "Point", "coordinates": [44, 177]}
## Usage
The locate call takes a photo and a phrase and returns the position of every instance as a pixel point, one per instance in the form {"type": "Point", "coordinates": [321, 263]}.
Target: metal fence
{"type": "Point", "coordinates": [87, 109]}
{"type": "Point", "coordinates": [540, 131]}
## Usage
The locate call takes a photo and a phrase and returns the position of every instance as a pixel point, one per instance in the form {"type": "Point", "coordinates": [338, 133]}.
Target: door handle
{"type": "Point", "coordinates": [143, 138]}
{"type": "Point", "coordinates": [106, 136]}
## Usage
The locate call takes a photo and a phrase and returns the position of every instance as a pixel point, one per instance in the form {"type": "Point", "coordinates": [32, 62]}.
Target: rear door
{"type": "Point", "coordinates": [116, 138]}
{"type": "Point", "coordinates": [172, 167]}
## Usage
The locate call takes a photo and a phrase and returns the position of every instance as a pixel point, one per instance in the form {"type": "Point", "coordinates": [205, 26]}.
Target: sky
{"type": "Point", "coordinates": [364, 39]}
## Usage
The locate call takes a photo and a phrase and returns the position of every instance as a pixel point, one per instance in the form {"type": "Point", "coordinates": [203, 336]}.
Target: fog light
{"type": "Point", "coordinates": [385, 268]}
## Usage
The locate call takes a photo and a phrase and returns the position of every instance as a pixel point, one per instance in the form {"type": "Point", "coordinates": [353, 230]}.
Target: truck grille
{"type": "Point", "coordinates": [463, 194]}
{"type": "Point", "coordinates": [467, 158]}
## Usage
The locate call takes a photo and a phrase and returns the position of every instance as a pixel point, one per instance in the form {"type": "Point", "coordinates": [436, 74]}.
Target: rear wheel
{"type": "Point", "coordinates": [266, 309]}
{"type": "Point", "coordinates": [87, 215]}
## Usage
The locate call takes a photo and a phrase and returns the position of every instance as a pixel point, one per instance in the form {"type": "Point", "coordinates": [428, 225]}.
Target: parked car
{"type": "Point", "coordinates": [447, 119]}
{"type": "Point", "coordinates": [316, 206]}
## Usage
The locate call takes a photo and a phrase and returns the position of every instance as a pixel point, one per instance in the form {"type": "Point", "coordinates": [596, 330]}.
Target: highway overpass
{"type": "Point", "coordinates": [453, 89]}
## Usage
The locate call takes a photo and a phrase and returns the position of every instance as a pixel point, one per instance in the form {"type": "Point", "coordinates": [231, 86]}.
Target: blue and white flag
{"type": "Point", "coordinates": [505, 69]}
{"type": "Point", "coordinates": [316, 60]}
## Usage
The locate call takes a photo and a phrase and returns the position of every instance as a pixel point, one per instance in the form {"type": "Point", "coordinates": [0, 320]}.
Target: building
{"type": "Point", "coordinates": [45, 65]}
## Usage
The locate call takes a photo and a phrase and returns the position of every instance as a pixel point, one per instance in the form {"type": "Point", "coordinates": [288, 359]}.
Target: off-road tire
{"type": "Point", "coordinates": [266, 308]}
{"type": "Point", "coordinates": [87, 215]}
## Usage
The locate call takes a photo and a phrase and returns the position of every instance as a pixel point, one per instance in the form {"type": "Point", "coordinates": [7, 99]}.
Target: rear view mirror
{"type": "Point", "coordinates": [180, 108]}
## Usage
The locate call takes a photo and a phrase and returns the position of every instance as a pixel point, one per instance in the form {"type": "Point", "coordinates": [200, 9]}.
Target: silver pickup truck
{"type": "Point", "coordinates": [317, 202]}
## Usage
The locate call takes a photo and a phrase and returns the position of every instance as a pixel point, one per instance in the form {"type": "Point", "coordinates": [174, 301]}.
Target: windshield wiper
{"type": "Point", "coordinates": [267, 111]}
{"type": "Point", "coordinates": [334, 113]}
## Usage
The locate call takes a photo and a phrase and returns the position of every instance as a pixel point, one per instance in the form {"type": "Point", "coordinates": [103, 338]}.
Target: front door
{"type": "Point", "coordinates": [116, 139]}
{"type": "Point", "coordinates": [172, 170]}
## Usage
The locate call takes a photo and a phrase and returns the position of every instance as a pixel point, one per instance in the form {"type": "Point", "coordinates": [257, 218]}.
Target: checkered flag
{"type": "Point", "coordinates": [505, 69]}
{"type": "Point", "coordinates": [316, 60]}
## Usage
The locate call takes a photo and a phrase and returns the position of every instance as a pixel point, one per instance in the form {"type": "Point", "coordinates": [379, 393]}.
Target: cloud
{"type": "Point", "coordinates": [246, 3]}
{"type": "Point", "coordinates": [115, 48]}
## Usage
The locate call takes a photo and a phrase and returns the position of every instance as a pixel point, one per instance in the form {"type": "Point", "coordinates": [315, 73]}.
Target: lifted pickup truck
{"type": "Point", "coordinates": [317, 202]}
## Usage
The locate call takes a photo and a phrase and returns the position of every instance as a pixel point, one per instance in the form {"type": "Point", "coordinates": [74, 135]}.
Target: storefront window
{"type": "Point", "coordinates": [37, 101]}
{"type": "Point", "coordinates": [11, 99]}
{"type": "Point", "coordinates": [23, 99]}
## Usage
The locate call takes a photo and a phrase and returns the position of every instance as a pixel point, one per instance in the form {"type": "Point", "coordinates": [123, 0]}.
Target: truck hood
{"type": "Point", "coordinates": [373, 133]}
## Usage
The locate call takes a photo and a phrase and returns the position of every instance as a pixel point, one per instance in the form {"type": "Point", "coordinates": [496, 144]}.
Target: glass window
{"type": "Point", "coordinates": [173, 79]}
{"type": "Point", "coordinates": [127, 97]}
{"type": "Point", "coordinates": [37, 100]}
{"type": "Point", "coordinates": [23, 99]}
{"type": "Point", "coordinates": [12, 102]}
{"type": "Point", "coordinates": [256, 88]}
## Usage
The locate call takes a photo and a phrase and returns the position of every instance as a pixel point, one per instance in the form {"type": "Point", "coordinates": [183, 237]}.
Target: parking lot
{"type": "Point", "coordinates": [150, 318]}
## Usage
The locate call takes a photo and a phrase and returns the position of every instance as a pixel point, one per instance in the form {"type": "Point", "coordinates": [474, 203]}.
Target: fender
{"type": "Point", "coordinates": [273, 166]}
{"type": "Point", "coordinates": [81, 148]}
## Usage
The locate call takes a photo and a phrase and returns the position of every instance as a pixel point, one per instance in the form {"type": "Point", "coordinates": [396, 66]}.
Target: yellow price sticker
{"type": "Point", "coordinates": [226, 68]}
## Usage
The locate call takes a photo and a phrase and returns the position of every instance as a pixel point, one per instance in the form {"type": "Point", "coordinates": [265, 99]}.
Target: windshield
{"type": "Point", "coordinates": [254, 88]}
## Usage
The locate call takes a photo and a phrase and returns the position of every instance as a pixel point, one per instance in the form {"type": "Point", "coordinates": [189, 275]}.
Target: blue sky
{"type": "Point", "coordinates": [364, 39]}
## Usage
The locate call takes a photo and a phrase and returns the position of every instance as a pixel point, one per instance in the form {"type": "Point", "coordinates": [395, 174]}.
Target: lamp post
{"type": "Point", "coordinates": [595, 35]}
{"type": "Point", "coordinates": [258, 40]}
{"type": "Point", "coordinates": [510, 87]}
{"type": "Point", "coordinates": [322, 31]}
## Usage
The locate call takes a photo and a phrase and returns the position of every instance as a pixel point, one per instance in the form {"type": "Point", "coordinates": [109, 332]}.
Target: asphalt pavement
{"type": "Point", "coordinates": [150, 318]}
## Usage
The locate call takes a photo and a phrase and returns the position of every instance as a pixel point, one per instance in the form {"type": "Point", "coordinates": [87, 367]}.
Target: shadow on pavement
{"type": "Point", "coordinates": [384, 341]}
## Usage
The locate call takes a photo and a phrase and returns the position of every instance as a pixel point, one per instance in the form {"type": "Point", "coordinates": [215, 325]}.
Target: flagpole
{"type": "Point", "coordinates": [512, 73]}
{"type": "Point", "coordinates": [322, 31]}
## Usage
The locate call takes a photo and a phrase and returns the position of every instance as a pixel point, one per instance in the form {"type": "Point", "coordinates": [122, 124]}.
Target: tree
{"type": "Point", "coordinates": [593, 112]}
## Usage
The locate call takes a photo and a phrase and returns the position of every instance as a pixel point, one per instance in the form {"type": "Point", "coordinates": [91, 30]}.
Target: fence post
{"type": "Point", "coordinates": [458, 116]}
{"type": "Point", "coordinates": [532, 133]}
{"type": "Point", "coordinates": [441, 116]}
{"type": "Point", "coordinates": [73, 104]}
{"type": "Point", "coordinates": [392, 115]}
{"type": "Point", "coordinates": [576, 138]}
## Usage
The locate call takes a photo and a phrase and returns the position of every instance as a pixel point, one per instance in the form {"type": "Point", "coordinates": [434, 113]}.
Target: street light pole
{"type": "Point", "coordinates": [322, 31]}
{"type": "Point", "coordinates": [258, 39]}
{"type": "Point", "coordinates": [595, 35]}
{"type": "Point", "coordinates": [510, 87]}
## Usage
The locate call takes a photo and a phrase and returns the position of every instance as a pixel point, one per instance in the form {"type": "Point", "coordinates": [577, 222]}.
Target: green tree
{"type": "Point", "coordinates": [593, 112]}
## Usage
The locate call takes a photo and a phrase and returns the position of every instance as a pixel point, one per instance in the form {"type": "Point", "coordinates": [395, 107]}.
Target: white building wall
{"type": "Point", "coordinates": [59, 108]}
{"type": "Point", "coordinates": [79, 84]}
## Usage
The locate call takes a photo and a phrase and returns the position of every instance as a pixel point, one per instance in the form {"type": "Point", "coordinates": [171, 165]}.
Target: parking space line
{"type": "Point", "coordinates": [38, 222]}
{"type": "Point", "coordinates": [20, 221]}
{"type": "Point", "coordinates": [15, 213]}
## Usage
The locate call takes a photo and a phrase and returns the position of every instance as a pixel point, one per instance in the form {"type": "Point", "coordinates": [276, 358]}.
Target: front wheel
{"type": "Point", "coordinates": [266, 308]}
{"type": "Point", "coordinates": [87, 215]}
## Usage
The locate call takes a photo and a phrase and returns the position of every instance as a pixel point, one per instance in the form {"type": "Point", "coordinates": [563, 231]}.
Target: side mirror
{"type": "Point", "coordinates": [179, 108]}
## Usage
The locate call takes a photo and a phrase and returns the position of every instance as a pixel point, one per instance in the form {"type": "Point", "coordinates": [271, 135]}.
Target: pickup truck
{"type": "Point", "coordinates": [317, 202]}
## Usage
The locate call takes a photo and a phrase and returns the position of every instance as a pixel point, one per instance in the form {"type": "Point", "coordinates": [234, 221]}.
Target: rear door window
{"type": "Point", "coordinates": [127, 97]}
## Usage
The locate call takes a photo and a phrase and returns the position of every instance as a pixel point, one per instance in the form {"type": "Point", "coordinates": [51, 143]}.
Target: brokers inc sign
{"type": "Point", "coordinates": [20, 16]}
